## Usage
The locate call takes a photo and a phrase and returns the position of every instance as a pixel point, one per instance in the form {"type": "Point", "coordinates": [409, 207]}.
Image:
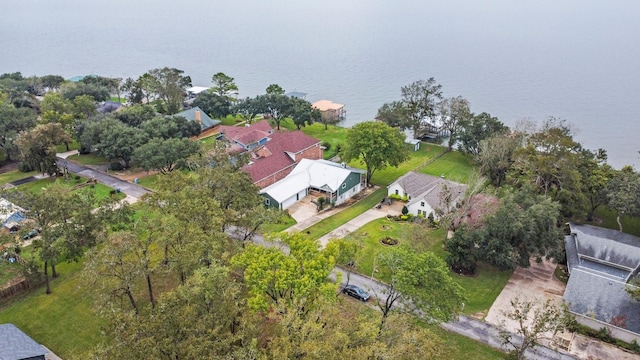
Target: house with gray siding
{"type": "Point", "coordinates": [424, 192]}
{"type": "Point", "coordinates": [337, 182]}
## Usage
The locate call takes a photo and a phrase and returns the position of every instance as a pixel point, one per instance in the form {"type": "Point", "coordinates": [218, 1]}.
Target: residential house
{"type": "Point", "coordinates": [194, 91]}
{"type": "Point", "coordinates": [330, 110]}
{"type": "Point", "coordinates": [16, 345]}
{"type": "Point", "coordinates": [424, 192]}
{"type": "Point", "coordinates": [10, 216]}
{"type": "Point", "coordinates": [336, 182]}
{"type": "Point", "coordinates": [602, 263]}
{"type": "Point", "coordinates": [272, 155]}
{"type": "Point", "coordinates": [196, 114]}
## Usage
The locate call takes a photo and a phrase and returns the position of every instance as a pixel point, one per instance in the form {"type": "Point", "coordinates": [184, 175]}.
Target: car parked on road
{"type": "Point", "coordinates": [356, 292]}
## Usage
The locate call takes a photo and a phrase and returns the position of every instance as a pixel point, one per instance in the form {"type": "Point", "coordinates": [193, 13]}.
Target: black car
{"type": "Point", "coordinates": [356, 292]}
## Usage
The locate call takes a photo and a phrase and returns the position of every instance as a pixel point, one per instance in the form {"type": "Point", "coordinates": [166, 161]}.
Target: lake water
{"type": "Point", "coordinates": [576, 60]}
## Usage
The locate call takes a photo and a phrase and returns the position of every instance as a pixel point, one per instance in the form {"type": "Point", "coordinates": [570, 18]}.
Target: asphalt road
{"type": "Point", "coordinates": [126, 187]}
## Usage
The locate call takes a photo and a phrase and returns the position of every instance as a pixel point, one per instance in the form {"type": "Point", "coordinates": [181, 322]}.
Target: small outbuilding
{"type": "Point", "coordinates": [330, 110]}
{"type": "Point", "coordinates": [16, 345]}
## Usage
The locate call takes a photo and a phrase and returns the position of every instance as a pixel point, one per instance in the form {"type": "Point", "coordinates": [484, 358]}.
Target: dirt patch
{"type": "Point", "coordinates": [8, 167]}
{"type": "Point", "coordinates": [132, 175]}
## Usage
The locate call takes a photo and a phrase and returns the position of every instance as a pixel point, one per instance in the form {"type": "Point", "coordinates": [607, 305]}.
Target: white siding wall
{"type": "Point", "coordinates": [292, 200]}
{"type": "Point", "coordinates": [349, 194]}
{"type": "Point", "coordinates": [426, 209]}
{"type": "Point", "coordinates": [392, 189]}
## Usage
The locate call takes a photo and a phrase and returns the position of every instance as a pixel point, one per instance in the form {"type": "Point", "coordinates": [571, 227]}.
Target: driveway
{"type": "Point", "coordinates": [361, 220]}
{"type": "Point", "coordinates": [133, 191]}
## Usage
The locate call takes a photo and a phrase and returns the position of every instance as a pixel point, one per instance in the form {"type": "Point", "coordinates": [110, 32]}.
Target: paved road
{"type": "Point", "coordinates": [126, 187]}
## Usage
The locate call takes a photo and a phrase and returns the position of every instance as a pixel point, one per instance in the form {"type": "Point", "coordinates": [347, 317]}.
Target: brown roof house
{"type": "Point", "coordinates": [272, 155]}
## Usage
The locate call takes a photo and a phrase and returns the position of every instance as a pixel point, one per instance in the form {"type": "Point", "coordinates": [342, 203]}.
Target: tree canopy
{"type": "Point", "coordinates": [376, 145]}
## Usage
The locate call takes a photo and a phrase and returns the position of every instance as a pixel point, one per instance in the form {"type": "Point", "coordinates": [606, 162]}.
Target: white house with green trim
{"type": "Point", "coordinates": [337, 182]}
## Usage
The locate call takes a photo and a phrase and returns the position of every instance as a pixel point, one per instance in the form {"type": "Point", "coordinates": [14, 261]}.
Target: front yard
{"type": "Point", "coordinates": [481, 290]}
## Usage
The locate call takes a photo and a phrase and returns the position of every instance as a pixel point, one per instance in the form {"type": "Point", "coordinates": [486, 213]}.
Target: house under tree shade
{"type": "Point", "coordinates": [16, 345]}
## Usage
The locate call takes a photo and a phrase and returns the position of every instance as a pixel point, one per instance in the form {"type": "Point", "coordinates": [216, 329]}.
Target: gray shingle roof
{"type": "Point", "coordinates": [607, 245]}
{"type": "Point", "coordinates": [600, 262]}
{"type": "Point", "coordinates": [205, 121]}
{"type": "Point", "coordinates": [421, 187]}
{"type": "Point", "coordinates": [592, 295]}
{"type": "Point", "coordinates": [16, 345]}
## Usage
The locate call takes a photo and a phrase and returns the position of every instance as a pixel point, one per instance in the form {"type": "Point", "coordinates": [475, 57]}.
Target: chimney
{"type": "Point", "coordinates": [198, 118]}
{"type": "Point", "coordinates": [344, 165]}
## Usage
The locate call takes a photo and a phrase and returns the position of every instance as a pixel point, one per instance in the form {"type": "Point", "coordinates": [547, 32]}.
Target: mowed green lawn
{"type": "Point", "coordinates": [89, 159]}
{"type": "Point", "coordinates": [63, 320]}
{"type": "Point", "coordinates": [481, 290]}
{"type": "Point", "coordinates": [101, 191]}
{"type": "Point", "coordinates": [14, 175]}
{"type": "Point", "coordinates": [327, 225]}
{"type": "Point", "coordinates": [384, 177]}
{"type": "Point", "coordinates": [453, 165]}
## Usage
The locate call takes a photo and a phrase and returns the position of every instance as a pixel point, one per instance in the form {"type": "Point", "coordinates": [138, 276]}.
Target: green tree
{"type": "Point", "coordinates": [346, 253]}
{"type": "Point", "coordinates": [165, 155]}
{"type": "Point", "coordinates": [113, 139]}
{"type": "Point", "coordinates": [302, 113]}
{"type": "Point", "coordinates": [213, 104]}
{"type": "Point", "coordinates": [495, 157]}
{"type": "Point", "coordinates": [595, 174]}
{"type": "Point", "coordinates": [169, 85]}
{"type": "Point", "coordinates": [525, 226]}
{"type": "Point", "coordinates": [72, 90]}
{"type": "Point", "coordinates": [376, 145]}
{"type": "Point", "coordinates": [296, 281]}
{"type": "Point", "coordinates": [623, 193]}
{"type": "Point", "coordinates": [421, 281]}
{"type": "Point", "coordinates": [393, 114]}
{"type": "Point", "coordinates": [12, 122]}
{"type": "Point", "coordinates": [167, 127]}
{"type": "Point", "coordinates": [277, 106]}
{"type": "Point", "coordinates": [420, 100]}
{"type": "Point", "coordinates": [453, 113]}
{"type": "Point", "coordinates": [249, 108]}
{"type": "Point", "coordinates": [275, 89]}
{"type": "Point", "coordinates": [135, 114]}
{"type": "Point", "coordinates": [477, 128]}
{"type": "Point", "coordinates": [51, 82]}
{"type": "Point", "coordinates": [223, 86]}
{"type": "Point", "coordinates": [38, 146]}
{"type": "Point", "coordinates": [533, 323]}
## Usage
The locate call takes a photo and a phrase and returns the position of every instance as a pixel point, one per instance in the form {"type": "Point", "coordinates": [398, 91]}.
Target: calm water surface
{"type": "Point", "coordinates": [576, 60]}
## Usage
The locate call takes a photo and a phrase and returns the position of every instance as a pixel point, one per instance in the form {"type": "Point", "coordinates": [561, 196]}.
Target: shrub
{"type": "Point", "coordinates": [326, 144]}
{"type": "Point", "coordinates": [405, 198]}
{"type": "Point", "coordinates": [116, 166]}
{"type": "Point", "coordinates": [76, 178]}
{"type": "Point", "coordinates": [84, 150]}
{"type": "Point", "coordinates": [395, 196]}
{"type": "Point", "coordinates": [404, 217]}
{"type": "Point", "coordinates": [405, 210]}
{"type": "Point", "coordinates": [112, 192]}
{"type": "Point", "coordinates": [25, 167]}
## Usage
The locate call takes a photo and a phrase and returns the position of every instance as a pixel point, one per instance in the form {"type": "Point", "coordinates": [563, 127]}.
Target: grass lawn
{"type": "Point", "coordinates": [74, 145]}
{"type": "Point", "coordinates": [62, 321]}
{"type": "Point", "coordinates": [481, 290]}
{"type": "Point", "coordinates": [385, 177]}
{"type": "Point", "coordinates": [607, 218]}
{"type": "Point", "coordinates": [8, 271]}
{"type": "Point", "coordinates": [461, 347]}
{"type": "Point", "coordinates": [334, 136]}
{"type": "Point", "coordinates": [231, 120]}
{"type": "Point", "coordinates": [285, 222]}
{"type": "Point", "coordinates": [101, 191]}
{"type": "Point", "coordinates": [88, 159]}
{"type": "Point", "coordinates": [14, 175]}
{"type": "Point", "coordinates": [332, 222]}
{"type": "Point", "coordinates": [453, 165]}
{"type": "Point", "coordinates": [149, 181]}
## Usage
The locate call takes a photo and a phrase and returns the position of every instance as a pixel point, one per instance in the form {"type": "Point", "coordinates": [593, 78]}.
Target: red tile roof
{"type": "Point", "coordinates": [277, 147]}
{"type": "Point", "coordinates": [247, 134]}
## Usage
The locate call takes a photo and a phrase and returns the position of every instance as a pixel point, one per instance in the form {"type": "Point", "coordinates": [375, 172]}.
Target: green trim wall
{"type": "Point", "coordinates": [272, 202]}
{"type": "Point", "coordinates": [352, 180]}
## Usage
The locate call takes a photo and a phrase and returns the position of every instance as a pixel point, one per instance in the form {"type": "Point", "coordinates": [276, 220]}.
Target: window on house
{"type": "Point", "coordinates": [267, 201]}
{"type": "Point", "coordinates": [396, 192]}
{"type": "Point", "coordinates": [422, 203]}
{"type": "Point", "coordinates": [344, 185]}
{"type": "Point", "coordinates": [419, 212]}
